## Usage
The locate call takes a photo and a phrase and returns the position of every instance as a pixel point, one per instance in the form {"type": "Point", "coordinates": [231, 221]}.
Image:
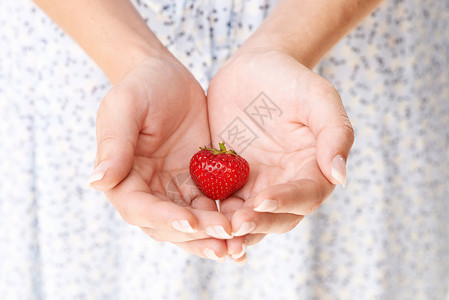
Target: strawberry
{"type": "Point", "coordinates": [218, 173]}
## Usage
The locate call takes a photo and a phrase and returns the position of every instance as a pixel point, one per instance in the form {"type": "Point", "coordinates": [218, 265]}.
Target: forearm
{"type": "Point", "coordinates": [111, 32]}
{"type": "Point", "coordinates": [307, 29]}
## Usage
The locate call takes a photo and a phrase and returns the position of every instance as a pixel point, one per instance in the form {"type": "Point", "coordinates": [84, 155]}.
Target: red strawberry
{"type": "Point", "coordinates": [218, 173]}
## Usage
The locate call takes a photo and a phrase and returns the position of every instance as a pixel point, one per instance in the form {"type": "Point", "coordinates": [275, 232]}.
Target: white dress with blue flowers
{"type": "Point", "coordinates": [386, 236]}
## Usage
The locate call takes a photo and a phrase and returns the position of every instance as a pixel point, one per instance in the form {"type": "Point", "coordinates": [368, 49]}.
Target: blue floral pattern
{"type": "Point", "coordinates": [384, 237]}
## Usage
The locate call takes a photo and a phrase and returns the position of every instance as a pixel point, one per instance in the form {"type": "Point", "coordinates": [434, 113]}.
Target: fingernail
{"type": "Point", "coordinates": [241, 263]}
{"type": "Point", "coordinates": [98, 172]}
{"type": "Point", "coordinates": [212, 255]}
{"type": "Point", "coordinates": [218, 232]}
{"type": "Point", "coordinates": [339, 169]}
{"type": "Point", "coordinates": [246, 228]}
{"type": "Point", "coordinates": [238, 255]}
{"type": "Point", "coordinates": [267, 206]}
{"type": "Point", "coordinates": [183, 226]}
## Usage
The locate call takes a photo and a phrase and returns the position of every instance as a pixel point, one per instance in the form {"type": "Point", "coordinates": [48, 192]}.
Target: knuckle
{"type": "Point", "coordinates": [347, 129]}
{"type": "Point", "coordinates": [106, 136]}
{"type": "Point", "coordinates": [107, 141]}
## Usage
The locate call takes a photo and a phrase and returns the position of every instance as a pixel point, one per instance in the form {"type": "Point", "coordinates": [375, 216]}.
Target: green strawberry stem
{"type": "Point", "coordinates": [222, 149]}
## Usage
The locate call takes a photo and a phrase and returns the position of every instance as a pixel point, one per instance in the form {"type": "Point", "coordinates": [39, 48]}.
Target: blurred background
{"type": "Point", "coordinates": [386, 236]}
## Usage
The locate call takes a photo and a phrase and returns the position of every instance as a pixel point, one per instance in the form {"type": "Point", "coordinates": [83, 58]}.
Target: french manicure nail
{"type": "Point", "coordinates": [267, 206]}
{"type": "Point", "coordinates": [238, 255]}
{"type": "Point", "coordinates": [241, 263]}
{"type": "Point", "coordinates": [339, 169]}
{"type": "Point", "coordinates": [218, 232]}
{"type": "Point", "coordinates": [246, 228]}
{"type": "Point", "coordinates": [212, 255]}
{"type": "Point", "coordinates": [183, 226]}
{"type": "Point", "coordinates": [98, 172]}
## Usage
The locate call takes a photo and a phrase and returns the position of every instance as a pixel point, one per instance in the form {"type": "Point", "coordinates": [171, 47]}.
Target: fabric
{"type": "Point", "coordinates": [386, 236]}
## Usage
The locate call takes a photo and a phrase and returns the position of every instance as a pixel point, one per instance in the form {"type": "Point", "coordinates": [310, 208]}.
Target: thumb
{"type": "Point", "coordinates": [334, 134]}
{"type": "Point", "coordinates": [119, 119]}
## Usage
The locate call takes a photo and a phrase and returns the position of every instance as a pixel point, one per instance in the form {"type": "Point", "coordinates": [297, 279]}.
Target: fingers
{"type": "Point", "coordinates": [212, 249]}
{"type": "Point", "coordinates": [245, 220]}
{"type": "Point", "coordinates": [146, 210]}
{"type": "Point", "coordinates": [300, 197]}
{"type": "Point", "coordinates": [333, 131]}
{"type": "Point", "coordinates": [135, 202]}
{"type": "Point", "coordinates": [169, 221]}
{"type": "Point", "coordinates": [237, 248]}
{"type": "Point", "coordinates": [213, 224]}
{"type": "Point", "coordinates": [278, 208]}
{"type": "Point", "coordinates": [263, 222]}
{"type": "Point", "coordinates": [208, 248]}
{"type": "Point", "coordinates": [119, 119]}
{"type": "Point", "coordinates": [215, 249]}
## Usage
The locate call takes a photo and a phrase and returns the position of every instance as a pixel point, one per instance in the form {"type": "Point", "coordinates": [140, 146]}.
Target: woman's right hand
{"type": "Point", "coordinates": [148, 127]}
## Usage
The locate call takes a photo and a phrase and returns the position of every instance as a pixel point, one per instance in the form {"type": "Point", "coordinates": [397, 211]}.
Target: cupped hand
{"type": "Point", "coordinates": [290, 125]}
{"type": "Point", "coordinates": [148, 127]}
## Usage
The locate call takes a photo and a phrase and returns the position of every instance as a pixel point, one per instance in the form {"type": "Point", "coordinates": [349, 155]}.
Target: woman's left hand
{"type": "Point", "coordinates": [290, 125]}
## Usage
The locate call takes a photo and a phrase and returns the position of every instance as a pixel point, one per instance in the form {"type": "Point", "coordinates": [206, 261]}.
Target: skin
{"type": "Point", "coordinates": [283, 158]}
{"type": "Point", "coordinates": [147, 140]}
{"type": "Point", "coordinates": [291, 160]}
{"type": "Point", "coordinates": [160, 146]}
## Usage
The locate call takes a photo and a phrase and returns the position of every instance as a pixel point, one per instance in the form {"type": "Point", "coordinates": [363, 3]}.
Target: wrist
{"type": "Point", "coordinates": [112, 33]}
{"type": "Point", "coordinates": [266, 40]}
{"type": "Point", "coordinates": [307, 29]}
{"type": "Point", "coordinates": [124, 57]}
